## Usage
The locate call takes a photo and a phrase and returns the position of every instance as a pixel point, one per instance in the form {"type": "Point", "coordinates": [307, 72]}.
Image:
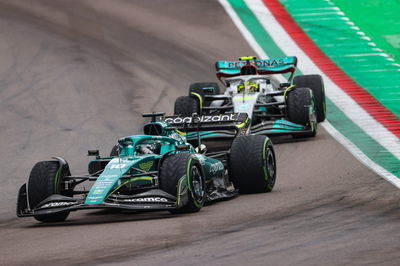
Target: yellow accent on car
{"type": "Point", "coordinates": [200, 98]}
{"type": "Point", "coordinates": [287, 90]}
{"type": "Point", "coordinates": [180, 132]}
{"type": "Point", "coordinates": [149, 178]}
{"type": "Point", "coordinates": [247, 58]}
{"type": "Point", "coordinates": [254, 87]}
{"type": "Point", "coordinates": [241, 88]}
{"type": "Point", "coordinates": [251, 85]}
{"type": "Point", "coordinates": [241, 98]}
{"type": "Point", "coordinates": [146, 166]}
{"type": "Point", "coordinates": [241, 125]}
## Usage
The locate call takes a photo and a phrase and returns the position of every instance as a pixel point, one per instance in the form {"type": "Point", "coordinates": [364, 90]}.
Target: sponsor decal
{"type": "Point", "coordinates": [94, 198]}
{"type": "Point", "coordinates": [202, 119]}
{"type": "Point", "coordinates": [57, 204]}
{"type": "Point", "coordinates": [118, 166]}
{"type": "Point", "coordinates": [97, 191]}
{"type": "Point", "coordinates": [269, 63]}
{"type": "Point", "coordinates": [146, 166]}
{"type": "Point", "coordinates": [147, 199]}
{"type": "Point", "coordinates": [216, 167]}
{"type": "Point", "coordinates": [201, 158]}
{"type": "Point", "coordinates": [108, 177]}
{"type": "Point", "coordinates": [258, 63]}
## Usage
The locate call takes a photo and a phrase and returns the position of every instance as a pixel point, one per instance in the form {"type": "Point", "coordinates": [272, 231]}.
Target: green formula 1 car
{"type": "Point", "coordinates": [160, 170]}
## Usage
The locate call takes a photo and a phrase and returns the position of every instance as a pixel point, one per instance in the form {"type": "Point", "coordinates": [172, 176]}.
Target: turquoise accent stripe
{"type": "Point", "coordinates": [288, 124]}
{"type": "Point", "coordinates": [336, 117]}
{"type": "Point", "coordinates": [206, 134]}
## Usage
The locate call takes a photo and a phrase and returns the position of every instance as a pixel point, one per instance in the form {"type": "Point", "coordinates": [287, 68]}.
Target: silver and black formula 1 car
{"type": "Point", "coordinates": [159, 170]}
{"type": "Point", "coordinates": [294, 107]}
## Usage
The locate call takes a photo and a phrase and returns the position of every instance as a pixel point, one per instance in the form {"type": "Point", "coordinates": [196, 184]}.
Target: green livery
{"type": "Point", "coordinates": [166, 168]}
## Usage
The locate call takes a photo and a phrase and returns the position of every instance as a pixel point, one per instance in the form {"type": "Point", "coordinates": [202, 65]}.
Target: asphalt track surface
{"type": "Point", "coordinates": [76, 75]}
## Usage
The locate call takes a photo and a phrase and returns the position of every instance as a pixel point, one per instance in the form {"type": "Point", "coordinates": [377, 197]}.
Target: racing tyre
{"type": "Point", "coordinates": [186, 106]}
{"type": "Point", "coordinates": [200, 89]}
{"type": "Point", "coordinates": [45, 179]}
{"type": "Point", "coordinates": [252, 164]}
{"type": "Point", "coordinates": [184, 165]}
{"type": "Point", "coordinates": [300, 110]}
{"type": "Point", "coordinates": [316, 84]}
{"type": "Point", "coordinates": [114, 151]}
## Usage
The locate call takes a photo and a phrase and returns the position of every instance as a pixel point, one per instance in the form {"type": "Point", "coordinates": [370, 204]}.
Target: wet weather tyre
{"type": "Point", "coordinates": [181, 166]}
{"type": "Point", "coordinates": [252, 164]}
{"type": "Point", "coordinates": [201, 89]}
{"type": "Point", "coordinates": [298, 104]}
{"type": "Point", "coordinates": [46, 179]}
{"type": "Point", "coordinates": [186, 106]}
{"type": "Point", "coordinates": [316, 84]}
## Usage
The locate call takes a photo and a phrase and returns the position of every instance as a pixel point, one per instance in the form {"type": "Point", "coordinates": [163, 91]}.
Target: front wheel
{"type": "Point", "coordinates": [316, 84]}
{"type": "Point", "coordinates": [300, 107]}
{"type": "Point", "coordinates": [180, 169]}
{"type": "Point", "coordinates": [252, 164]}
{"type": "Point", "coordinates": [46, 179]}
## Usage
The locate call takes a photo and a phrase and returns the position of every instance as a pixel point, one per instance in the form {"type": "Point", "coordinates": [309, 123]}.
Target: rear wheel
{"type": "Point", "coordinates": [186, 106]}
{"type": "Point", "coordinates": [176, 167]}
{"type": "Point", "coordinates": [46, 179]}
{"type": "Point", "coordinates": [316, 84]}
{"type": "Point", "coordinates": [300, 110]}
{"type": "Point", "coordinates": [252, 164]}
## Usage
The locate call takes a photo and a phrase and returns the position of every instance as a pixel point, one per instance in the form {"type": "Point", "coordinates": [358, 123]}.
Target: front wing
{"type": "Point", "coordinates": [279, 127]}
{"type": "Point", "coordinates": [151, 200]}
{"type": "Point", "coordinates": [154, 199]}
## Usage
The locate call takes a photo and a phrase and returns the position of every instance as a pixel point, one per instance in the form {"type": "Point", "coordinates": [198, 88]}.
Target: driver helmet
{"type": "Point", "coordinates": [253, 86]}
{"type": "Point", "coordinates": [250, 85]}
{"type": "Point", "coordinates": [241, 87]}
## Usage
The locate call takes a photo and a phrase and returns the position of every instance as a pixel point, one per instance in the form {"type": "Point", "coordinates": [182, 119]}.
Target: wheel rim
{"type": "Point", "coordinates": [197, 184]}
{"type": "Point", "coordinates": [313, 116]}
{"type": "Point", "coordinates": [270, 160]}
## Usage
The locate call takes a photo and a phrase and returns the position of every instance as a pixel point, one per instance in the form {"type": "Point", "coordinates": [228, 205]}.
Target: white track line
{"type": "Point", "coordinates": [293, 49]}
{"type": "Point", "coordinates": [360, 155]}
{"type": "Point", "coordinates": [341, 99]}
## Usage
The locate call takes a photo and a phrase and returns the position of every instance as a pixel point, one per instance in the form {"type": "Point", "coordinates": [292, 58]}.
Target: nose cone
{"type": "Point", "coordinates": [108, 181]}
{"type": "Point", "coordinates": [244, 103]}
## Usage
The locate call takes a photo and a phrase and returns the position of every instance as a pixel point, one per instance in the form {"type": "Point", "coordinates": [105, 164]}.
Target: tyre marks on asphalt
{"type": "Point", "coordinates": [101, 85]}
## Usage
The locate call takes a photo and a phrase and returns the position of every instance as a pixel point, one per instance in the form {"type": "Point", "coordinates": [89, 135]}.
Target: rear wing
{"type": "Point", "coordinates": [281, 65]}
{"type": "Point", "coordinates": [230, 121]}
